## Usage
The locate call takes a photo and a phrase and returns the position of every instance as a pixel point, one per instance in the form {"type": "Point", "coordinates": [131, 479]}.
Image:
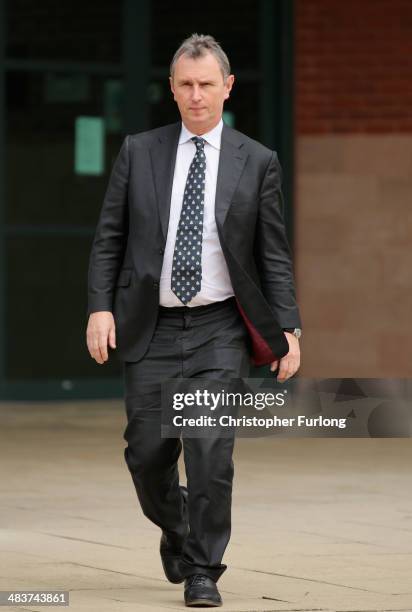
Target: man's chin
{"type": "Point", "coordinates": [198, 116]}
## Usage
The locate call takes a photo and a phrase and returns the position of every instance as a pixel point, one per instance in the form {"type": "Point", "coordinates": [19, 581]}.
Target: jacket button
{"type": "Point", "coordinates": [155, 285]}
{"type": "Point", "coordinates": [161, 251]}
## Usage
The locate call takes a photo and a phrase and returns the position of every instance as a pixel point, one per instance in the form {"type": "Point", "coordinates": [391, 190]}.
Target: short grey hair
{"type": "Point", "coordinates": [197, 45]}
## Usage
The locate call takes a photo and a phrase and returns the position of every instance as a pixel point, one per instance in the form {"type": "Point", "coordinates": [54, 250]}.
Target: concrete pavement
{"type": "Point", "coordinates": [318, 524]}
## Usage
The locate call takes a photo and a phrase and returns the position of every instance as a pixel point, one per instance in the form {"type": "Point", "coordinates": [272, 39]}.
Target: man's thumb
{"type": "Point", "coordinates": [274, 365]}
{"type": "Point", "coordinates": [112, 338]}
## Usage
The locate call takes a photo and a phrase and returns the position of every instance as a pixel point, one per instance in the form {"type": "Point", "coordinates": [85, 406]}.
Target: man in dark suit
{"type": "Point", "coordinates": [190, 276]}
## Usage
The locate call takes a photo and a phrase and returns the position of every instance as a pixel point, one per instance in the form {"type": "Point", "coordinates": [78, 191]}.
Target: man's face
{"type": "Point", "coordinates": [200, 91]}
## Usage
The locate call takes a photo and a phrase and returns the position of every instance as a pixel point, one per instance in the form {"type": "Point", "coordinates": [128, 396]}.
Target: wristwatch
{"type": "Point", "coordinates": [296, 331]}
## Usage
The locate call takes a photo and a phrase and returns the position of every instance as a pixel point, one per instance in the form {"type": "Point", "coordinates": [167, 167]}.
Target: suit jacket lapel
{"type": "Point", "coordinates": [163, 156]}
{"type": "Point", "coordinates": [231, 162]}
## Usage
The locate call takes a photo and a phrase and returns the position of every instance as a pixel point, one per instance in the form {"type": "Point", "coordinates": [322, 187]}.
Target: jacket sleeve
{"type": "Point", "coordinates": [272, 251]}
{"type": "Point", "coordinates": [110, 237]}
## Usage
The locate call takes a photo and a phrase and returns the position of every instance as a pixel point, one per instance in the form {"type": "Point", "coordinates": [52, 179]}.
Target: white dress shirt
{"type": "Point", "coordinates": [216, 285]}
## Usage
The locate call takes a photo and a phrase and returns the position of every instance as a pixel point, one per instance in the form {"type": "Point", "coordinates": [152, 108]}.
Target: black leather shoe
{"type": "Point", "coordinates": [171, 548]}
{"type": "Point", "coordinates": [200, 590]}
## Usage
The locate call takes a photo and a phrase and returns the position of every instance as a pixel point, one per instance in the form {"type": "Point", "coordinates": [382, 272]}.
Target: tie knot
{"type": "Point", "coordinates": [199, 142]}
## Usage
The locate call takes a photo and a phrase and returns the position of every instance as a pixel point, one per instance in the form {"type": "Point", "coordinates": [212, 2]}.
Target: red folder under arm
{"type": "Point", "coordinates": [262, 354]}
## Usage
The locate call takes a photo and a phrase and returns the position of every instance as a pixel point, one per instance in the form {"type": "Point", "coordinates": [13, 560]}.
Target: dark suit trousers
{"type": "Point", "coordinates": [201, 342]}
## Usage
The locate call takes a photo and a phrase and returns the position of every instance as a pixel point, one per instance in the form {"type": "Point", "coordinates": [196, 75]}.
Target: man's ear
{"type": "Point", "coordinates": [229, 84]}
{"type": "Point", "coordinates": [171, 85]}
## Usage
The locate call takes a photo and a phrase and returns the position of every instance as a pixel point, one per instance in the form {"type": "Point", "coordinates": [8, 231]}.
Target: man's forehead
{"type": "Point", "coordinates": [199, 68]}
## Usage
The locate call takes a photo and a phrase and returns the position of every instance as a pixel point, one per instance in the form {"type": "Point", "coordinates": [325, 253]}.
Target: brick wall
{"type": "Point", "coordinates": [353, 235]}
{"type": "Point", "coordinates": [353, 66]}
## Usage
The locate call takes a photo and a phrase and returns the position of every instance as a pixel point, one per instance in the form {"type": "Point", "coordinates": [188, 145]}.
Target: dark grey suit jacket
{"type": "Point", "coordinates": [128, 248]}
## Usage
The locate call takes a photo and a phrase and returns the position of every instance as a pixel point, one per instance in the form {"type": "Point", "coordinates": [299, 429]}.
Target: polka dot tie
{"type": "Point", "coordinates": [187, 256]}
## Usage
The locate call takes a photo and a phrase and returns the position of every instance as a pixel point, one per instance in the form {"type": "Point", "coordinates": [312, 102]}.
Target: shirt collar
{"type": "Point", "coordinates": [213, 137]}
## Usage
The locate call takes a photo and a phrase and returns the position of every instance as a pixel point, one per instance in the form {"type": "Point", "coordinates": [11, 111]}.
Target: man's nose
{"type": "Point", "coordinates": [196, 94]}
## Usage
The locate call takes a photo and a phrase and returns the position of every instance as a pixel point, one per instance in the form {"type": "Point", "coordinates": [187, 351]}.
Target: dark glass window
{"type": "Point", "coordinates": [234, 26]}
{"type": "Point", "coordinates": [64, 60]}
{"type": "Point", "coordinates": [76, 30]}
{"type": "Point", "coordinates": [41, 140]}
{"type": "Point", "coordinates": [46, 309]}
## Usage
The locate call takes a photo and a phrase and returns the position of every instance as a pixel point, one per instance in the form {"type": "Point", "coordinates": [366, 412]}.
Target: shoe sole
{"type": "Point", "coordinates": [204, 602]}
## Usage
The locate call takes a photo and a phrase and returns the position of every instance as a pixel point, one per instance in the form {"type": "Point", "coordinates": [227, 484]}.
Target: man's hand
{"type": "Point", "coordinates": [100, 332]}
{"type": "Point", "coordinates": [289, 364]}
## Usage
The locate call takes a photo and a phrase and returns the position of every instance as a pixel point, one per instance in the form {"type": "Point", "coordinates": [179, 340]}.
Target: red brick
{"type": "Point", "coordinates": [353, 65]}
